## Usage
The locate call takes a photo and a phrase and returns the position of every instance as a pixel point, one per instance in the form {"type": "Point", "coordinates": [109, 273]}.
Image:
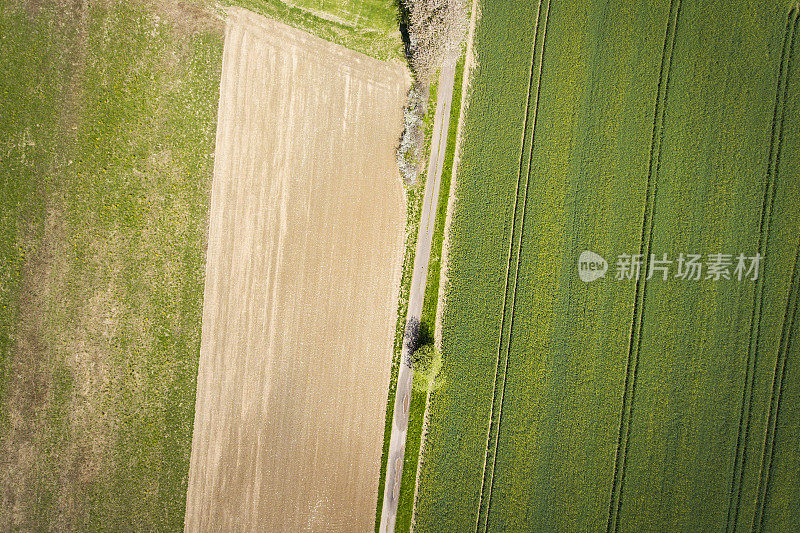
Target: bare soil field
{"type": "Point", "coordinates": [302, 277]}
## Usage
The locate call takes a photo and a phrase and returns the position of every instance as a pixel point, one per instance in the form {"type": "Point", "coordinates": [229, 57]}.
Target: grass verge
{"type": "Point", "coordinates": [414, 196]}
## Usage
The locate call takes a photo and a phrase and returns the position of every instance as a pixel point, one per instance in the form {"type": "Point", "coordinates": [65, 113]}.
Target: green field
{"type": "Point", "coordinates": [108, 117]}
{"type": "Point", "coordinates": [622, 404]}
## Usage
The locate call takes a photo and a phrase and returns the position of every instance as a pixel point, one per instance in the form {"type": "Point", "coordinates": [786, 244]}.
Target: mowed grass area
{"type": "Point", "coordinates": [366, 26]}
{"type": "Point", "coordinates": [658, 405]}
{"type": "Point", "coordinates": [108, 118]}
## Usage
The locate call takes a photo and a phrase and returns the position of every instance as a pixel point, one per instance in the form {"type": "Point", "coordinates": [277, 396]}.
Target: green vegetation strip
{"type": "Point", "coordinates": [414, 197]}
{"type": "Point", "coordinates": [366, 26]}
{"type": "Point", "coordinates": [28, 107]}
{"type": "Point", "coordinates": [779, 467]}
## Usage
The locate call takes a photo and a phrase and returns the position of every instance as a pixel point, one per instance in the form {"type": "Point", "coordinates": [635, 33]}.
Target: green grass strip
{"type": "Point", "coordinates": [375, 33]}
{"type": "Point", "coordinates": [29, 110]}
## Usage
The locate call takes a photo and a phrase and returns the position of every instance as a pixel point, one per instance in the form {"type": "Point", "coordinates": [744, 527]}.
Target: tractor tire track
{"type": "Point", "coordinates": [746, 405]}
{"type": "Point", "coordinates": [502, 355]}
{"type": "Point", "coordinates": [778, 376]}
{"type": "Point", "coordinates": [634, 345]}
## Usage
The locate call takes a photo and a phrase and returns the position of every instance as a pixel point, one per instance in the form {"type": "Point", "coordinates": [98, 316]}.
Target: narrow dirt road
{"type": "Point", "coordinates": [405, 375]}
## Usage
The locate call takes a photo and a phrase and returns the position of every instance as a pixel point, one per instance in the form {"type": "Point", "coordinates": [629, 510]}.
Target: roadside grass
{"type": "Point", "coordinates": [429, 307]}
{"type": "Point", "coordinates": [103, 250]}
{"type": "Point", "coordinates": [366, 26]}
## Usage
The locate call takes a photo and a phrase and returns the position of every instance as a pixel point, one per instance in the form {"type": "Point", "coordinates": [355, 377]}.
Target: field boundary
{"type": "Point", "coordinates": [502, 359]}
{"type": "Point", "coordinates": [400, 418]}
{"type": "Point", "coordinates": [434, 291]}
{"type": "Point", "coordinates": [746, 405]}
{"type": "Point", "coordinates": [366, 37]}
{"type": "Point", "coordinates": [635, 342]}
{"type": "Point", "coordinates": [466, 79]}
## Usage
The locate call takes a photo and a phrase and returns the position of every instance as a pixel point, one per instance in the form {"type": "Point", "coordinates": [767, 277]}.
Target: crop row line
{"type": "Point", "coordinates": [746, 406]}
{"type": "Point", "coordinates": [787, 328]}
{"type": "Point", "coordinates": [490, 456]}
{"type": "Point", "coordinates": [512, 307]}
{"type": "Point", "coordinates": [635, 336]}
{"type": "Point", "coordinates": [778, 374]}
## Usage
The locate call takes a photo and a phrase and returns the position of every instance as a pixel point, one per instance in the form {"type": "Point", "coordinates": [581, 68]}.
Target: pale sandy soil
{"type": "Point", "coordinates": [302, 277]}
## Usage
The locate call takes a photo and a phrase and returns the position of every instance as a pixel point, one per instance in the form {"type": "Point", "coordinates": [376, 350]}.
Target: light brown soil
{"type": "Point", "coordinates": [302, 277]}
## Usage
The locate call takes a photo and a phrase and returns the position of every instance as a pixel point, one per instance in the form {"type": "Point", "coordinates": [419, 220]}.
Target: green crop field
{"type": "Point", "coordinates": [628, 404]}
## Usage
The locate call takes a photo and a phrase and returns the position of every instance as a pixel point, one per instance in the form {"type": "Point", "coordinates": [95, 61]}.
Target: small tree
{"type": "Point", "coordinates": [427, 364]}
